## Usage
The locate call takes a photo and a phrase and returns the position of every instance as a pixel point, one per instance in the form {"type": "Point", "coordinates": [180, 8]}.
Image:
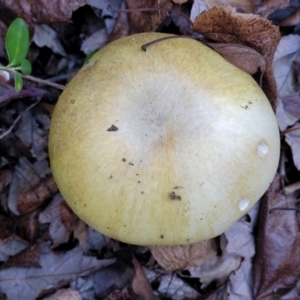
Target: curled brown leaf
{"type": "Point", "coordinates": [243, 57]}
{"type": "Point", "coordinates": [223, 24]}
{"type": "Point", "coordinates": [173, 258]}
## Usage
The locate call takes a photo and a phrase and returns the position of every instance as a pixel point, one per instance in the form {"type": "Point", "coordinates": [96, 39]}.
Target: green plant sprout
{"type": "Point", "coordinates": [17, 42]}
{"type": "Point", "coordinates": [17, 46]}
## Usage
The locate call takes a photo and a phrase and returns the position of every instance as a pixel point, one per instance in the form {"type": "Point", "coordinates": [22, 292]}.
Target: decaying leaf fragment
{"type": "Point", "coordinates": [147, 21]}
{"type": "Point", "coordinates": [277, 261]}
{"type": "Point", "coordinates": [140, 283]}
{"type": "Point", "coordinates": [36, 196]}
{"type": "Point", "coordinates": [245, 58]}
{"type": "Point", "coordinates": [173, 258]}
{"type": "Point", "coordinates": [44, 270]}
{"type": "Point", "coordinates": [223, 24]}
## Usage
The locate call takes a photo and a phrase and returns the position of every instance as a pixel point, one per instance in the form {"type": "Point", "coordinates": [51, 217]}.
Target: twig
{"type": "Point", "coordinates": [283, 208]}
{"type": "Point", "coordinates": [5, 133]}
{"type": "Point", "coordinates": [44, 82]}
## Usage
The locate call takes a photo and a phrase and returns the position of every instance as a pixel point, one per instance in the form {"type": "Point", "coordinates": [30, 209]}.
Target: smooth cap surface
{"type": "Point", "coordinates": [165, 147]}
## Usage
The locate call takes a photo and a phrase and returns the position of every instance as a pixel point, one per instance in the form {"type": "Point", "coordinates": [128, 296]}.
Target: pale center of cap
{"type": "Point", "coordinates": [244, 203]}
{"type": "Point", "coordinates": [262, 149]}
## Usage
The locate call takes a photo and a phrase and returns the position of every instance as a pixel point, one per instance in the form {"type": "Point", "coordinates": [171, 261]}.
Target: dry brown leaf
{"type": "Point", "coordinates": [173, 258]}
{"type": "Point", "coordinates": [35, 197]}
{"type": "Point", "coordinates": [277, 260]}
{"type": "Point", "coordinates": [243, 57]}
{"type": "Point", "coordinates": [140, 283]}
{"type": "Point", "coordinates": [39, 12]}
{"type": "Point", "coordinates": [147, 21]}
{"type": "Point", "coordinates": [121, 27]}
{"type": "Point", "coordinates": [27, 258]}
{"type": "Point", "coordinates": [28, 226]}
{"type": "Point", "coordinates": [292, 20]}
{"type": "Point", "coordinates": [223, 24]}
{"type": "Point", "coordinates": [68, 218]}
{"type": "Point", "coordinates": [267, 7]}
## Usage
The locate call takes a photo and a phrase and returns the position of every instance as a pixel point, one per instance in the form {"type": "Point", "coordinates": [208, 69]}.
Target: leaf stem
{"type": "Point", "coordinates": [32, 78]}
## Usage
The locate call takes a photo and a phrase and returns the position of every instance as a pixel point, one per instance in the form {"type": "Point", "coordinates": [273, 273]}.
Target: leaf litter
{"type": "Point", "coordinates": [47, 252]}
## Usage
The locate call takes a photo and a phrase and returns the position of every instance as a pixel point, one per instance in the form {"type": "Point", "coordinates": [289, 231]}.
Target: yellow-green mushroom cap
{"type": "Point", "coordinates": [165, 147]}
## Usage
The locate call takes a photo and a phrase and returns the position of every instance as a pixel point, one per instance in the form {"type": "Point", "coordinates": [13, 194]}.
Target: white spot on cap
{"type": "Point", "coordinates": [262, 149]}
{"type": "Point", "coordinates": [244, 203]}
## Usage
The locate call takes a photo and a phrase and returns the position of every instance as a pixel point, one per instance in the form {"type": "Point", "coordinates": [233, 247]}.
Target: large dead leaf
{"type": "Point", "coordinates": [56, 269]}
{"type": "Point", "coordinates": [39, 12]}
{"type": "Point", "coordinates": [174, 258]}
{"type": "Point", "coordinates": [235, 54]}
{"type": "Point", "coordinates": [223, 24]}
{"type": "Point", "coordinates": [277, 261]}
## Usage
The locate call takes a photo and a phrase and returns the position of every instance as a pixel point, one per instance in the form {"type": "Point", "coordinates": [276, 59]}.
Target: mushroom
{"type": "Point", "coordinates": [168, 146]}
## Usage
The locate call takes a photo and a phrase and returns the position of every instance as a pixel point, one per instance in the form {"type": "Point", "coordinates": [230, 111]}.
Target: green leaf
{"type": "Point", "coordinates": [25, 67]}
{"type": "Point", "coordinates": [89, 56]}
{"type": "Point", "coordinates": [18, 82]}
{"type": "Point", "coordinates": [17, 42]}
